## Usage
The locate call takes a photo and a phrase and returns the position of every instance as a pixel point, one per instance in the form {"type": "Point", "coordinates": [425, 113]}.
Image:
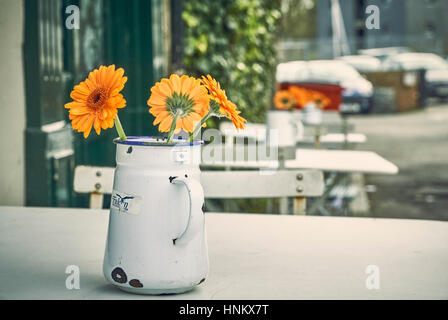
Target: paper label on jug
{"type": "Point", "coordinates": [180, 155]}
{"type": "Point", "coordinates": [125, 203]}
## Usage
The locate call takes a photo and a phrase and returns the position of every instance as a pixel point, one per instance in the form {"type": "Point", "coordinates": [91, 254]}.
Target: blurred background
{"type": "Point", "coordinates": [391, 64]}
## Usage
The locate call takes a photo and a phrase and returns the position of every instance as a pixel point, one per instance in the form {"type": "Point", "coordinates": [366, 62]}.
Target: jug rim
{"type": "Point", "coordinates": [156, 141]}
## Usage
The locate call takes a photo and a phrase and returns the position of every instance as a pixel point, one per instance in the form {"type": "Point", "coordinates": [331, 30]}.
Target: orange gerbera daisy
{"type": "Point", "coordinates": [320, 99]}
{"type": "Point", "coordinates": [301, 95]}
{"type": "Point", "coordinates": [183, 98]}
{"type": "Point", "coordinates": [226, 107]}
{"type": "Point", "coordinates": [96, 100]}
{"type": "Point", "coordinates": [284, 100]}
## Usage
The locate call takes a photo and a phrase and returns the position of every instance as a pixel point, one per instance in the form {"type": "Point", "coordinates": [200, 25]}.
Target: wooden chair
{"type": "Point", "coordinates": [297, 184]}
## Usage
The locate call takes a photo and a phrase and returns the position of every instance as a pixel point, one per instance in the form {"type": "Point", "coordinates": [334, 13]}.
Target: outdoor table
{"type": "Point", "coordinates": [342, 161]}
{"type": "Point", "coordinates": [257, 132]}
{"type": "Point", "coordinates": [325, 160]}
{"type": "Point", "coordinates": [252, 256]}
{"type": "Point", "coordinates": [338, 162]}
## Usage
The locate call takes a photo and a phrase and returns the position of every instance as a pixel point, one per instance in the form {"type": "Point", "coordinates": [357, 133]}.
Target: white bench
{"type": "Point", "coordinates": [297, 184]}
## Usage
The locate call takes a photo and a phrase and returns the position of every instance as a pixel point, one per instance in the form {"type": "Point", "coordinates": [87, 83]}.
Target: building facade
{"type": "Point", "coordinates": [420, 25]}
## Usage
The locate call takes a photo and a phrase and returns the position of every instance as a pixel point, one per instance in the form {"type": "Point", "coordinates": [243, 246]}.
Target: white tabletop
{"type": "Point", "coordinates": [321, 159]}
{"type": "Point", "coordinates": [251, 256]}
{"type": "Point", "coordinates": [341, 160]}
{"type": "Point", "coordinates": [340, 138]}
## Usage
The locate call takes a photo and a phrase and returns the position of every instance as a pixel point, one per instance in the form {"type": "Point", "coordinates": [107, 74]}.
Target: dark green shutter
{"type": "Point", "coordinates": [49, 151]}
{"type": "Point", "coordinates": [56, 58]}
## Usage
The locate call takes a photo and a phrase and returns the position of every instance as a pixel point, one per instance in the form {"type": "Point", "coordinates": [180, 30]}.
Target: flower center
{"type": "Point", "coordinates": [97, 98]}
{"type": "Point", "coordinates": [285, 100]}
{"type": "Point", "coordinates": [180, 104]}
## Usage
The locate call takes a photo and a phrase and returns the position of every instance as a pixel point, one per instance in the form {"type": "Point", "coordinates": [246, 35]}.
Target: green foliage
{"type": "Point", "coordinates": [298, 20]}
{"type": "Point", "coordinates": [234, 42]}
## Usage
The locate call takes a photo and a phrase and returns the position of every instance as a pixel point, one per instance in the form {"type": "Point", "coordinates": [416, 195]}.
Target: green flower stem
{"type": "Point", "coordinates": [172, 128]}
{"type": "Point", "coordinates": [120, 130]}
{"type": "Point", "coordinates": [199, 126]}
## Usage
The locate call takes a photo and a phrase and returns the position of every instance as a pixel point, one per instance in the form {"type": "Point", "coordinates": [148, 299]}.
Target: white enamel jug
{"type": "Point", "coordinates": [156, 239]}
{"type": "Point", "coordinates": [287, 125]}
{"type": "Point", "coordinates": [312, 115]}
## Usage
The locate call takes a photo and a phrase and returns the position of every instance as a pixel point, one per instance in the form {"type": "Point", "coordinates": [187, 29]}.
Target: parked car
{"type": "Point", "coordinates": [357, 93]}
{"type": "Point", "coordinates": [362, 63]}
{"type": "Point", "coordinates": [383, 53]}
{"type": "Point", "coordinates": [436, 76]}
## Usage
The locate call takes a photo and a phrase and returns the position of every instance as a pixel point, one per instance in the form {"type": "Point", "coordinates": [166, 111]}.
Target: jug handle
{"type": "Point", "coordinates": [195, 215]}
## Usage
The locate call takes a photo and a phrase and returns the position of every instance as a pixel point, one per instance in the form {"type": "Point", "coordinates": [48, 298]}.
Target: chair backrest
{"type": "Point", "coordinates": [217, 184]}
{"type": "Point", "coordinates": [257, 184]}
{"type": "Point", "coordinates": [94, 180]}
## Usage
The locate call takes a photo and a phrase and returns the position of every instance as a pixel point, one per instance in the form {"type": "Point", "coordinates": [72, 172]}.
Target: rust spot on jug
{"type": "Point", "coordinates": [135, 283]}
{"type": "Point", "coordinates": [119, 275]}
